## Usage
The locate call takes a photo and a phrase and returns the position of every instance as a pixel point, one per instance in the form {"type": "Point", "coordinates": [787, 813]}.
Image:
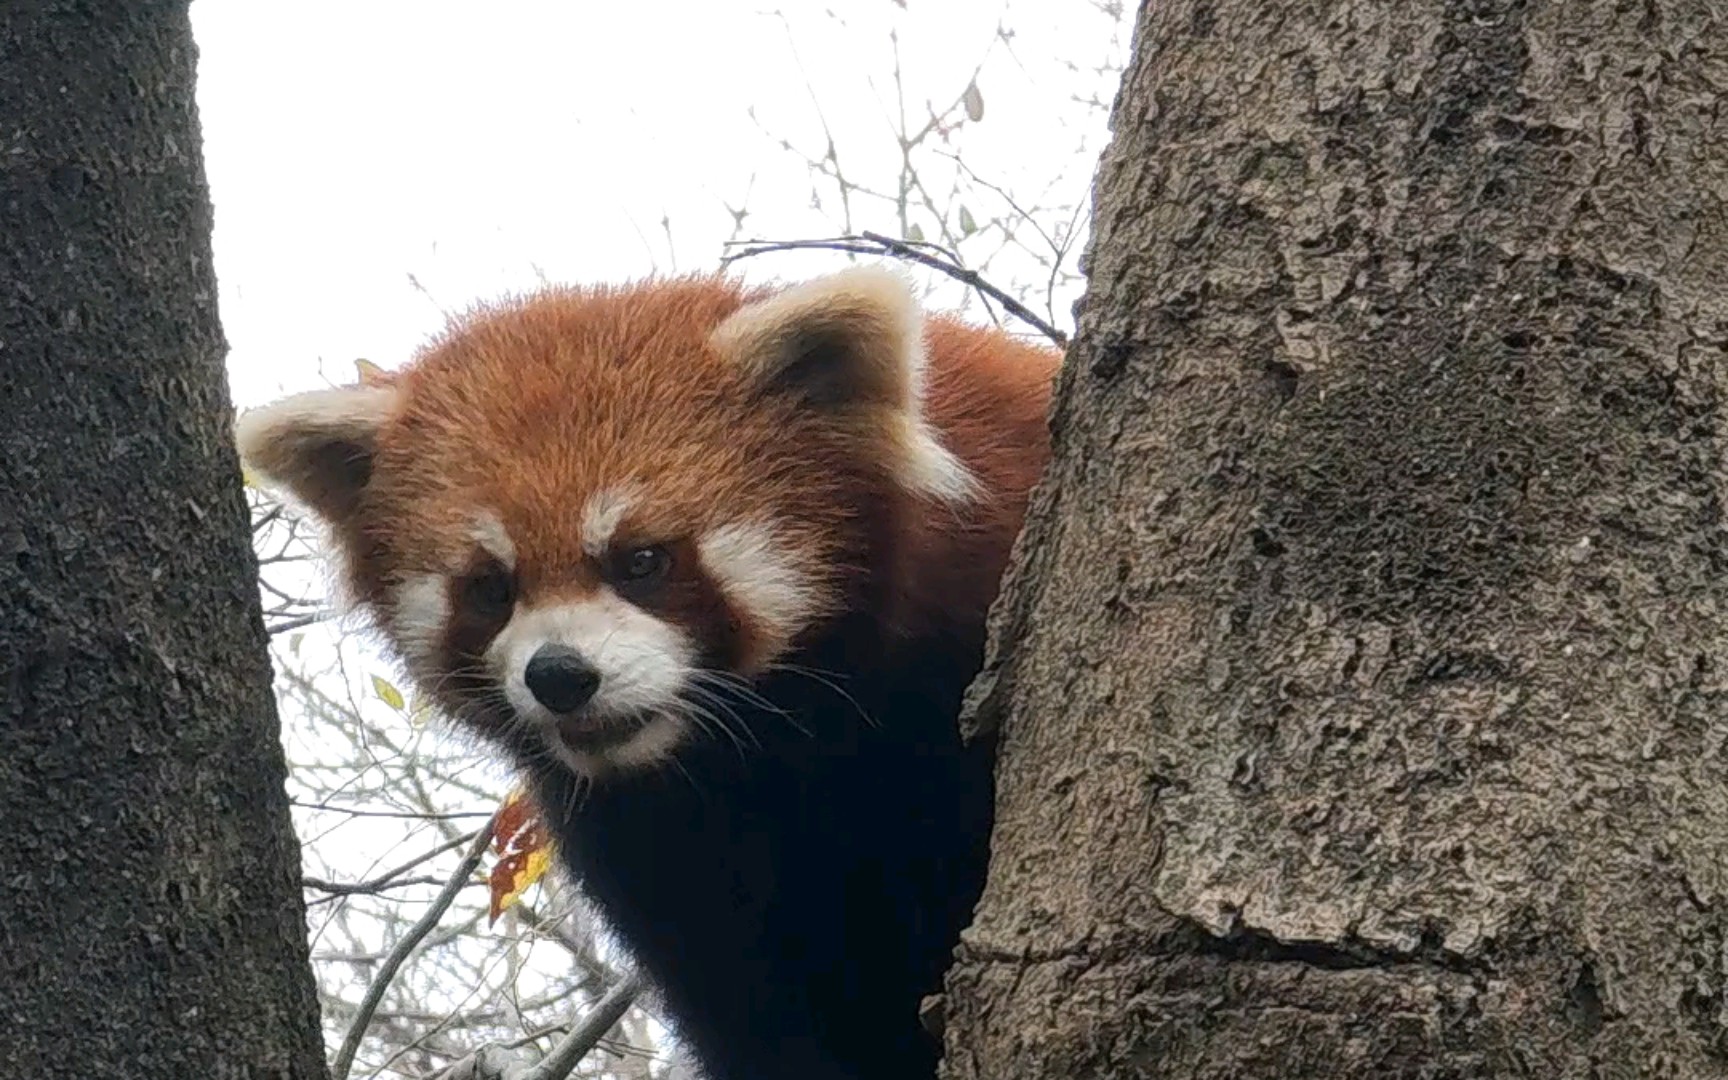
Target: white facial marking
{"type": "Point", "coordinates": [761, 576]}
{"type": "Point", "coordinates": [489, 533]}
{"type": "Point", "coordinates": [602, 516]}
{"type": "Point", "coordinates": [421, 612]}
{"type": "Point", "coordinates": [927, 467]}
{"type": "Point", "coordinates": [644, 665]}
{"type": "Point", "coordinates": [646, 747]}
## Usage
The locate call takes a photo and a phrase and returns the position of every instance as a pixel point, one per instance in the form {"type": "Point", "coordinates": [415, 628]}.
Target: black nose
{"type": "Point", "coordinates": [560, 679]}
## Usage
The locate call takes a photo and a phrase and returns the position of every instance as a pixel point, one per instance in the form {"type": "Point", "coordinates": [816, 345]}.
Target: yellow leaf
{"type": "Point", "coordinates": [387, 693]}
{"type": "Point", "coordinates": [529, 870]}
{"type": "Point", "coordinates": [370, 374]}
{"type": "Point", "coordinates": [419, 709]}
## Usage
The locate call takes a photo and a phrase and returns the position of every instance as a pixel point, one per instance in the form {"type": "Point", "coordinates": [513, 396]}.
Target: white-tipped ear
{"type": "Point", "coordinates": [317, 445]}
{"type": "Point", "coordinates": [852, 340]}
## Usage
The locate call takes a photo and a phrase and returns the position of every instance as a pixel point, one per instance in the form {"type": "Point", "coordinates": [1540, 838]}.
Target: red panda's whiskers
{"type": "Point", "coordinates": [578, 796]}
{"type": "Point", "coordinates": [709, 722]}
{"type": "Point", "coordinates": [729, 682]}
{"type": "Point", "coordinates": [821, 678]}
{"type": "Point", "coordinates": [710, 706]}
{"type": "Point", "coordinates": [741, 686]}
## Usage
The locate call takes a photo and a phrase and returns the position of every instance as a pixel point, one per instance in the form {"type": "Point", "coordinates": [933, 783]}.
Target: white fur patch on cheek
{"type": "Point", "coordinates": [925, 466]}
{"type": "Point", "coordinates": [419, 615]}
{"type": "Point", "coordinates": [762, 577]}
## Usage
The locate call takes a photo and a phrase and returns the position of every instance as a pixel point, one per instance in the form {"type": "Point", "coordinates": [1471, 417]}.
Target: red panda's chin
{"type": "Point", "coordinates": [594, 749]}
{"type": "Point", "coordinates": [592, 735]}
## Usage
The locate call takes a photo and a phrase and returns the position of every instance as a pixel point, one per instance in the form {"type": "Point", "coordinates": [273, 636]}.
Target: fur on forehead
{"type": "Point", "coordinates": [846, 348]}
{"type": "Point", "coordinates": [850, 343]}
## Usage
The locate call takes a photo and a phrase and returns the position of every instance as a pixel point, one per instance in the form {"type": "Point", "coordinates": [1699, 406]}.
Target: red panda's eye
{"type": "Point", "coordinates": [490, 592]}
{"type": "Point", "coordinates": [644, 564]}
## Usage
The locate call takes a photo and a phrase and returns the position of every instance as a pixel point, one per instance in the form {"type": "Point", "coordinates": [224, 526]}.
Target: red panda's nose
{"type": "Point", "coordinates": [560, 679]}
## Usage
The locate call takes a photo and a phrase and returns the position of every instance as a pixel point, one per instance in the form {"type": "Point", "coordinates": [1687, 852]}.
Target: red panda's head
{"type": "Point", "coordinates": [574, 511]}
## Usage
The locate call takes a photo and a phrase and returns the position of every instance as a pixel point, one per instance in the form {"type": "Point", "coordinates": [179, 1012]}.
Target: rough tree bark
{"type": "Point", "coordinates": [1362, 687]}
{"type": "Point", "coordinates": [151, 922]}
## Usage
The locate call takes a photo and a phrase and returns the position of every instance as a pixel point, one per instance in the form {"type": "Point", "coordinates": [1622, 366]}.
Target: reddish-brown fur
{"type": "Point", "coordinates": [987, 395]}
{"type": "Point", "coordinates": [531, 406]}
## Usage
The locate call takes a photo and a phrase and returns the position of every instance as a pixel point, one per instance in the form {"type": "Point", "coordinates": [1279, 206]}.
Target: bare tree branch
{"type": "Point", "coordinates": [390, 879]}
{"type": "Point", "coordinates": [506, 1063]}
{"type": "Point", "coordinates": [296, 623]}
{"type": "Point", "coordinates": [393, 963]}
{"type": "Point", "coordinates": [870, 243]}
{"type": "Point", "coordinates": [571, 1049]}
{"type": "Point", "coordinates": [415, 815]}
{"type": "Point", "coordinates": [337, 889]}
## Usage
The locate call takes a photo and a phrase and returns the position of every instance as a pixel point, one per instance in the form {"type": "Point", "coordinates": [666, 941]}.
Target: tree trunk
{"type": "Point", "coordinates": [1362, 689]}
{"type": "Point", "coordinates": [151, 922]}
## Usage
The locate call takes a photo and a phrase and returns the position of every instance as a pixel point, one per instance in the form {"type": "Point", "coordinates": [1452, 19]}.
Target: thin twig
{"type": "Point", "coordinates": [504, 1061]}
{"type": "Point", "coordinates": [296, 623]}
{"type": "Point", "coordinates": [572, 1048]}
{"type": "Point", "coordinates": [416, 815]}
{"type": "Point", "coordinates": [336, 890]}
{"type": "Point", "coordinates": [390, 878]}
{"type": "Point", "coordinates": [399, 955]}
{"type": "Point", "coordinates": [870, 243]}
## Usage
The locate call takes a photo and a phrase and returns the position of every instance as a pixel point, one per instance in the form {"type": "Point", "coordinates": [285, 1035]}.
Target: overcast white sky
{"type": "Point", "coordinates": [356, 146]}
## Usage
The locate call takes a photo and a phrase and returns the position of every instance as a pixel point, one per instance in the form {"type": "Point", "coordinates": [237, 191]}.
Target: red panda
{"type": "Point", "coordinates": [711, 565]}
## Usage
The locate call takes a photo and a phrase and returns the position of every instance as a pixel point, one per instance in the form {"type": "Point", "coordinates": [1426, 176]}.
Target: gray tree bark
{"type": "Point", "coordinates": [151, 922]}
{"type": "Point", "coordinates": [1362, 683]}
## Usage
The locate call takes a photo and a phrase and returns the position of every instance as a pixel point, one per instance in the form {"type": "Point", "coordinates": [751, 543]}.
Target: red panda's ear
{"type": "Point", "coordinates": [850, 342]}
{"type": "Point", "coordinates": [317, 445]}
{"type": "Point", "coordinates": [854, 338]}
